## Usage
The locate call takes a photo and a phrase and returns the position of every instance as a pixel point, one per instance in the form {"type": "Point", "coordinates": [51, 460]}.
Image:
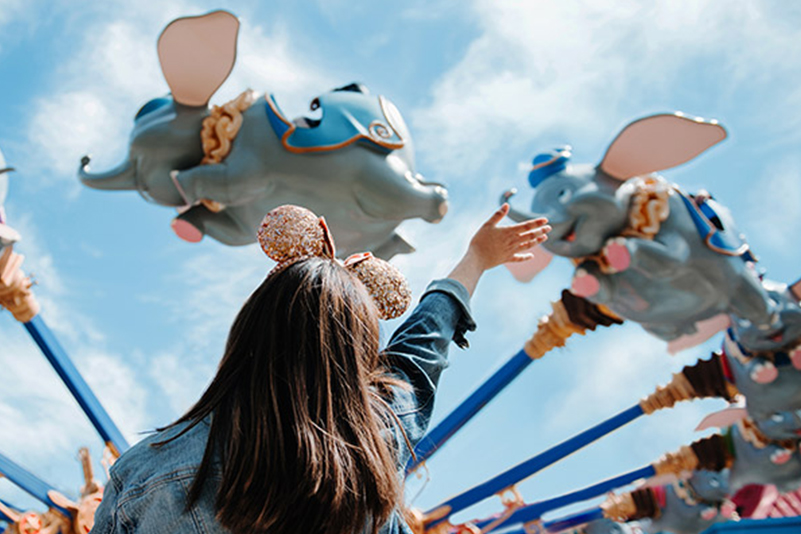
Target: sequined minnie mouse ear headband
{"type": "Point", "coordinates": [289, 234]}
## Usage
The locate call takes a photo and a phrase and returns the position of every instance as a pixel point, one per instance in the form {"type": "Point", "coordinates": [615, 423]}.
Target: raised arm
{"type": "Point", "coordinates": [418, 350]}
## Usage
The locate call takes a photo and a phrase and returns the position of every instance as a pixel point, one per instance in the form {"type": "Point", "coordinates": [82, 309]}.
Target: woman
{"type": "Point", "coordinates": [307, 427]}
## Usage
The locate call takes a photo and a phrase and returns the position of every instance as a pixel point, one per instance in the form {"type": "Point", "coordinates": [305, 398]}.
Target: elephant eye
{"type": "Point", "coordinates": [565, 195]}
{"type": "Point", "coordinates": [315, 104]}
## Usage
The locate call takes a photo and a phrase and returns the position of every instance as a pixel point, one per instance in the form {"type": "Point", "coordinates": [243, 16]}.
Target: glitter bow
{"type": "Point", "coordinates": [289, 234]}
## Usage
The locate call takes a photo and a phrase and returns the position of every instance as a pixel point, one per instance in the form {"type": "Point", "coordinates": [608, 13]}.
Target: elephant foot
{"type": "Point", "coordinates": [728, 509]}
{"type": "Point", "coordinates": [617, 255]}
{"type": "Point", "coordinates": [584, 284]}
{"type": "Point", "coordinates": [764, 373]}
{"type": "Point", "coordinates": [186, 231]}
{"type": "Point", "coordinates": [795, 357]}
{"type": "Point", "coordinates": [781, 456]}
{"type": "Point", "coordinates": [709, 513]}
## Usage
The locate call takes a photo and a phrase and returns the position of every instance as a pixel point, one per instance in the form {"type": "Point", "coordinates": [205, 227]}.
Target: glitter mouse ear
{"type": "Point", "coordinates": [289, 233]}
{"type": "Point", "coordinates": [383, 281]}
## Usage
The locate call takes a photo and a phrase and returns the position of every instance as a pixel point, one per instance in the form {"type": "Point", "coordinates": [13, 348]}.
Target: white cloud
{"type": "Point", "coordinates": [42, 424]}
{"type": "Point", "coordinates": [115, 70]}
{"type": "Point", "coordinates": [545, 68]}
{"type": "Point", "coordinates": [214, 285]}
{"type": "Point", "coordinates": [266, 62]}
{"type": "Point", "coordinates": [35, 408]}
{"type": "Point", "coordinates": [622, 369]}
{"type": "Point", "coordinates": [9, 9]}
{"type": "Point", "coordinates": [776, 204]}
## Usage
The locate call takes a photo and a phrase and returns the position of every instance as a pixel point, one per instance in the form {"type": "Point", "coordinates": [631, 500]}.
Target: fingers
{"type": "Point", "coordinates": [532, 224]}
{"type": "Point", "coordinates": [498, 216]}
{"type": "Point", "coordinates": [542, 230]}
{"type": "Point", "coordinates": [530, 235]}
{"type": "Point", "coordinates": [517, 258]}
{"type": "Point", "coordinates": [531, 243]}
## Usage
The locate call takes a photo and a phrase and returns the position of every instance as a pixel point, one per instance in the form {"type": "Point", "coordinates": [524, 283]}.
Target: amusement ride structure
{"type": "Point", "coordinates": [644, 251]}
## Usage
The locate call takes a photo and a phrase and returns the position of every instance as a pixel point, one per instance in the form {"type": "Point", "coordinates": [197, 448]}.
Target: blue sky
{"type": "Point", "coordinates": [484, 86]}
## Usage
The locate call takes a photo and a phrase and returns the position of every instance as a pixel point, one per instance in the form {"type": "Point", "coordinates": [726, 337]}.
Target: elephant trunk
{"type": "Point", "coordinates": [514, 213]}
{"type": "Point", "coordinates": [122, 177]}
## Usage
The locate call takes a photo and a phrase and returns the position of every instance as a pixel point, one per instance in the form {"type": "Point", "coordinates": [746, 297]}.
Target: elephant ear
{"type": "Point", "coordinates": [795, 290]}
{"type": "Point", "coordinates": [659, 142]}
{"type": "Point", "coordinates": [197, 55]}
{"type": "Point", "coordinates": [525, 271]}
{"type": "Point", "coordinates": [723, 418]}
{"type": "Point", "coordinates": [703, 331]}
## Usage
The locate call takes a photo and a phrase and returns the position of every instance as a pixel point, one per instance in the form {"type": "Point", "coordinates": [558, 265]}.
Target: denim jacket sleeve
{"type": "Point", "coordinates": [106, 520]}
{"type": "Point", "coordinates": [418, 352]}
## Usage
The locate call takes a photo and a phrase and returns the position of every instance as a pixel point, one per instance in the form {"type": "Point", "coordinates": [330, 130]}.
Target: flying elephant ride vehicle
{"type": "Point", "coordinates": [224, 168]}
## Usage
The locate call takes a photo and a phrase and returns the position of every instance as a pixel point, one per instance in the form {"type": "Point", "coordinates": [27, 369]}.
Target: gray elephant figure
{"type": "Point", "coordinates": [765, 365]}
{"type": "Point", "coordinates": [225, 168]}
{"type": "Point", "coordinates": [691, 506]}
{"type": "Point", "coordinates": [759, 460]}
{"type": "Point", "coordinates": [670, 261]}
{"type": "Point", "coordinates": [8, 236]}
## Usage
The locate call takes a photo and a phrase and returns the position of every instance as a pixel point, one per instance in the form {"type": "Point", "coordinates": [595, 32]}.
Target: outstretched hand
{"type": "Point", "coordinates": [493, 245]}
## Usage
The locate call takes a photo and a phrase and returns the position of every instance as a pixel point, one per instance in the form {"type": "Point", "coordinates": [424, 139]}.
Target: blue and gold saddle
{"type": "Point", "coordinates": [348, 116]}
{"type": "Point", "coordinates": [711, 230]}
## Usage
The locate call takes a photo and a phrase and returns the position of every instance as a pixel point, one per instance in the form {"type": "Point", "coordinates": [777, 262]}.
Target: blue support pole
{"type": "Point", "coordinates": [531, 466]}
{"type": "Point", "coordinates": [55, 354]}
{"type": "Point", "coordinates": [28, 482]}
{"type": "Point", "coordinates": [536, 510]}
{"type": "Point", "coordinates": [469, 407]}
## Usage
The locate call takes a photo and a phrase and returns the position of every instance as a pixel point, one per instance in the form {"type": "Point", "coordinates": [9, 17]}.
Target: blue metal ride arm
{"type": "Point", "coordinates": [531, 466]}
{"type": "Point", "coordinates": [534, 511]}
{"type": "Point", "coordinates": [100, 419]}
{"type": "Point", "coordinates": [469, 407]}
{"type": "Point", "coordinates": [567, 522]}
{"type": "Point", "coordinates": [28, 482]}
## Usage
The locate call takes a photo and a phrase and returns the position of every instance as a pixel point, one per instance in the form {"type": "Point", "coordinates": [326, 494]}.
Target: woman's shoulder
{"type": "Point", "coordinates": [162, 456]}
{"type": "Point", "coordinates": [149, 484]}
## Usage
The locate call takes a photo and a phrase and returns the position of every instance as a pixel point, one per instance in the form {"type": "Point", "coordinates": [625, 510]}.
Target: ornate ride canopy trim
{"type": "Point", "coordinates": [676, 462]}
{"type": "Point", "coordinates": [677, 390]}
{"type": "Point", "coordinates": [711, 453]}
{"type": "Point", "coordinates": [703, 379]}
{"type": "Point", "coordinates": [552, 331]}
{"type": "Point", "coordinates": [619, 507]}
{"type": "Point", "coordinates": [570, 315]}
{"type": "Point", "coordinates": [631, 506]}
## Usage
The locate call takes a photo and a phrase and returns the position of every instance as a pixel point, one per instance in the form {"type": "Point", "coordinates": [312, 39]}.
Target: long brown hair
{"type": "Point", "coordinates": [297, 415]}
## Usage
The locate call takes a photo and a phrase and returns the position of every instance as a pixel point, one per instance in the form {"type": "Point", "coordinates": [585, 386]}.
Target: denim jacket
{"type": "Point", "coordinates": [148, 486]}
